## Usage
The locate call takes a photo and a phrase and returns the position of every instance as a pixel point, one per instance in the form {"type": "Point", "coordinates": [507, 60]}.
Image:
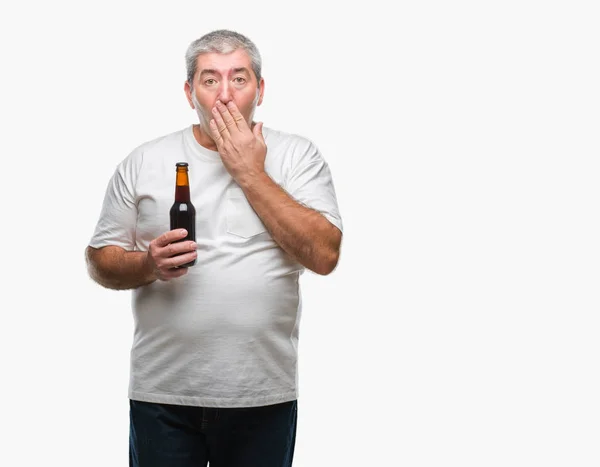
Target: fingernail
{"type": "Point", "coordinates": [183, 232]}
{"type": "Point", "coordinates": [193, 246]}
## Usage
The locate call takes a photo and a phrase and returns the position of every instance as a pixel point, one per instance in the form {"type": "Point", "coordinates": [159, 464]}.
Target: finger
{"type": "Point", "coordinates": [221, 127]}
{"type": "Point", "coordinates": [257, 131]}
{"type": "Point", "coordinates": [215, 134]}
{"type": "Point", "coordinates": [177, 248]}
{"type": "Point", "coordinates": [178, 260]}
{"type": "Point", "coordinates": [170, 236]}
{"type": "Point", "coordinates": [240, 121]}
{"type": "Point", "coordinates": [237, 116]}
{"type": "Point", "coordinates": [227, 117]}
{"type": "Point", "coordinates": [173, 273]}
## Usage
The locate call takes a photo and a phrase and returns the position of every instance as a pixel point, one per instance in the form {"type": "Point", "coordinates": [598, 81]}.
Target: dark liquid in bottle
{"type": "Point", "coordinates": [183, 212]}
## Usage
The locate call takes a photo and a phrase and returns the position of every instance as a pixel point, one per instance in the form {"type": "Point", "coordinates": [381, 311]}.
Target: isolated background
{"type": "Point", "coordinates": [461, 325]}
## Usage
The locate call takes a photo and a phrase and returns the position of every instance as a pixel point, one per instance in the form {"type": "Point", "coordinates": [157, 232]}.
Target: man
{"type": "Point", "coordinates": [214, 356]}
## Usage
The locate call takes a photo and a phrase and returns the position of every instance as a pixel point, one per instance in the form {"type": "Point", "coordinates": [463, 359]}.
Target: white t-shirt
{"type": "Point", "coordinates": [226, 333]}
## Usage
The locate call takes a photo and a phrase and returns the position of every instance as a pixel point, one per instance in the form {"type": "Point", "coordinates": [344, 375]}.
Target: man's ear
{"type": "Point", "coordinates": [261, 91]}
{"type": "Point", "coordinates": [188, 93]}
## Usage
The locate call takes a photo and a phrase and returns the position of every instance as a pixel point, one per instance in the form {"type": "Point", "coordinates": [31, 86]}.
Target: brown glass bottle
{"type": "Point", "coordinates": [183, 212]}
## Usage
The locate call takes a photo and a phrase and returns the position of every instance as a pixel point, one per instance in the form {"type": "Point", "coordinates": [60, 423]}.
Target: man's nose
{"type": "Point", "coordinates": [225, 93]}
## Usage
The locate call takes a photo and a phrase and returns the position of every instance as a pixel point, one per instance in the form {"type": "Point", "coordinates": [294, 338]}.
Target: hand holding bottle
{"type": "Point", "coordinates": [167, 253]}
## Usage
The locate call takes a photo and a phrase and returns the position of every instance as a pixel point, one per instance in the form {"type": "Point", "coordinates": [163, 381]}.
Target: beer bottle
{"type": "Point", "coordinates": [183, 212]}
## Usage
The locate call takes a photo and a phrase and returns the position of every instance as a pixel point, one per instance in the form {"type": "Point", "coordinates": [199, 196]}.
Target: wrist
{"type": "Point", "coordinates": [148, 269]}
{"type": "Point", "coordinates": [254, 180]}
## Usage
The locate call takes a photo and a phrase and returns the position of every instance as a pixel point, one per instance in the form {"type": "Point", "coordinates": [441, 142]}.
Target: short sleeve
{"type": "Point", "coordinates": [117, 222]}
{"type": "Point", "coordinates": [310, 183]}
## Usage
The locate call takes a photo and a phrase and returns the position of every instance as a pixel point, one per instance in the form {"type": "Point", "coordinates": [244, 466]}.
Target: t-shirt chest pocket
{"type": "Point", "coordinates": [242, 220]}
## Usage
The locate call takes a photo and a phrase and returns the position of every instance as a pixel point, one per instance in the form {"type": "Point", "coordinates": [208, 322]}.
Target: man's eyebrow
{"type": "Point", "coordinates": [210, 71]}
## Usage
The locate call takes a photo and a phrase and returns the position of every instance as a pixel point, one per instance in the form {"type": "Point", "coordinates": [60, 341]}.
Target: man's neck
{"type": "Point", "coordinates": [203, 139]}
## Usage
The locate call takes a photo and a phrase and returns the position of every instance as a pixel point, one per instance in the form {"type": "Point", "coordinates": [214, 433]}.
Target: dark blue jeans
{"type": "Point", "coordinates": [164, 435]}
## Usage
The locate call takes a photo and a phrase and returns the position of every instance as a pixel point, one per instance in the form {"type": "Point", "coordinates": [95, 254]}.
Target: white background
{"type": "Point", "coordinates": [461, 325]}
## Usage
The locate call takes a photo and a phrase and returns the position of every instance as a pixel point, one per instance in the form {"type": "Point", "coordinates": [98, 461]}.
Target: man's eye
{"type": "Point", "coordinates": [239, 80]}
{"type": "Point", "coordinates": [209, 82]}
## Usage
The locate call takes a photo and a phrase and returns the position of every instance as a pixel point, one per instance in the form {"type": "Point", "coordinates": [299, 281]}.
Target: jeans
{"type": "Point", "coordinates": [164, 435]}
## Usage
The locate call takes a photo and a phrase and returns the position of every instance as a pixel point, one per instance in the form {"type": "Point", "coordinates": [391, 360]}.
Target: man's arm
{"type": "Point", "coordinates": [115, 268]}
{"type": "Point", "coordinates": [304, 234]}
{"type": "Point", "coordinates": [119, 269]}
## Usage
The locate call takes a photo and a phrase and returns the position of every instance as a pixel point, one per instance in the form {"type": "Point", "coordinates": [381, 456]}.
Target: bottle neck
{"type": "Point", "coordinates": [182, 187]}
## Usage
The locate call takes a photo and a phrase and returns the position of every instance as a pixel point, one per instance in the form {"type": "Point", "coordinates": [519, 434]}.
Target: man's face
{"type": "Point", "coordinates": [224, 77]}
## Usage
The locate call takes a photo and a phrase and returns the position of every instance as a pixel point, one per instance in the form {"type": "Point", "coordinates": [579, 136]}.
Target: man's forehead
{"type": "Point", "coordinates": [223, 62]}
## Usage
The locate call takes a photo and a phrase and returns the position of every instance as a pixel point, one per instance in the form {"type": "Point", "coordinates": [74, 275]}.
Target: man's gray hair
{"type": "Point", "coordinates": [221, 41]}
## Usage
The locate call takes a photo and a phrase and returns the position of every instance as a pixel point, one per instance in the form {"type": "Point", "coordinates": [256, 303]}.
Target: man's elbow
{"type": "Point", "coordinates": [89, 257]}
{"type": "Point", "coordinates": [331, 256]}
{"type": "Point", "coordinates": [93, 266]}
{"type": "Point", "coordinates": [328, 264]}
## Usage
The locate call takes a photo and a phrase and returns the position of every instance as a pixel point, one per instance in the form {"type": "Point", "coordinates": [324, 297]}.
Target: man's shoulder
{"type": "Point", "coordinates": [286, 140]}
{"type": "Point", "coordinates": [155, 148]}
{"type": "Point", "coordinates": [169, 139]}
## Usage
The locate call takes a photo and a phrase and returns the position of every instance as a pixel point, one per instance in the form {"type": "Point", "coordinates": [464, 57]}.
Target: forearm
{"type": "Point", "coordinates": [115, 268]}
{"type": "Point", "coordinates": [304, 234]}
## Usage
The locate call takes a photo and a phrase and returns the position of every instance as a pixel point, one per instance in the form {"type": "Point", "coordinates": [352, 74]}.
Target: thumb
{"type": "Point", "coordinates": [257, 130]}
